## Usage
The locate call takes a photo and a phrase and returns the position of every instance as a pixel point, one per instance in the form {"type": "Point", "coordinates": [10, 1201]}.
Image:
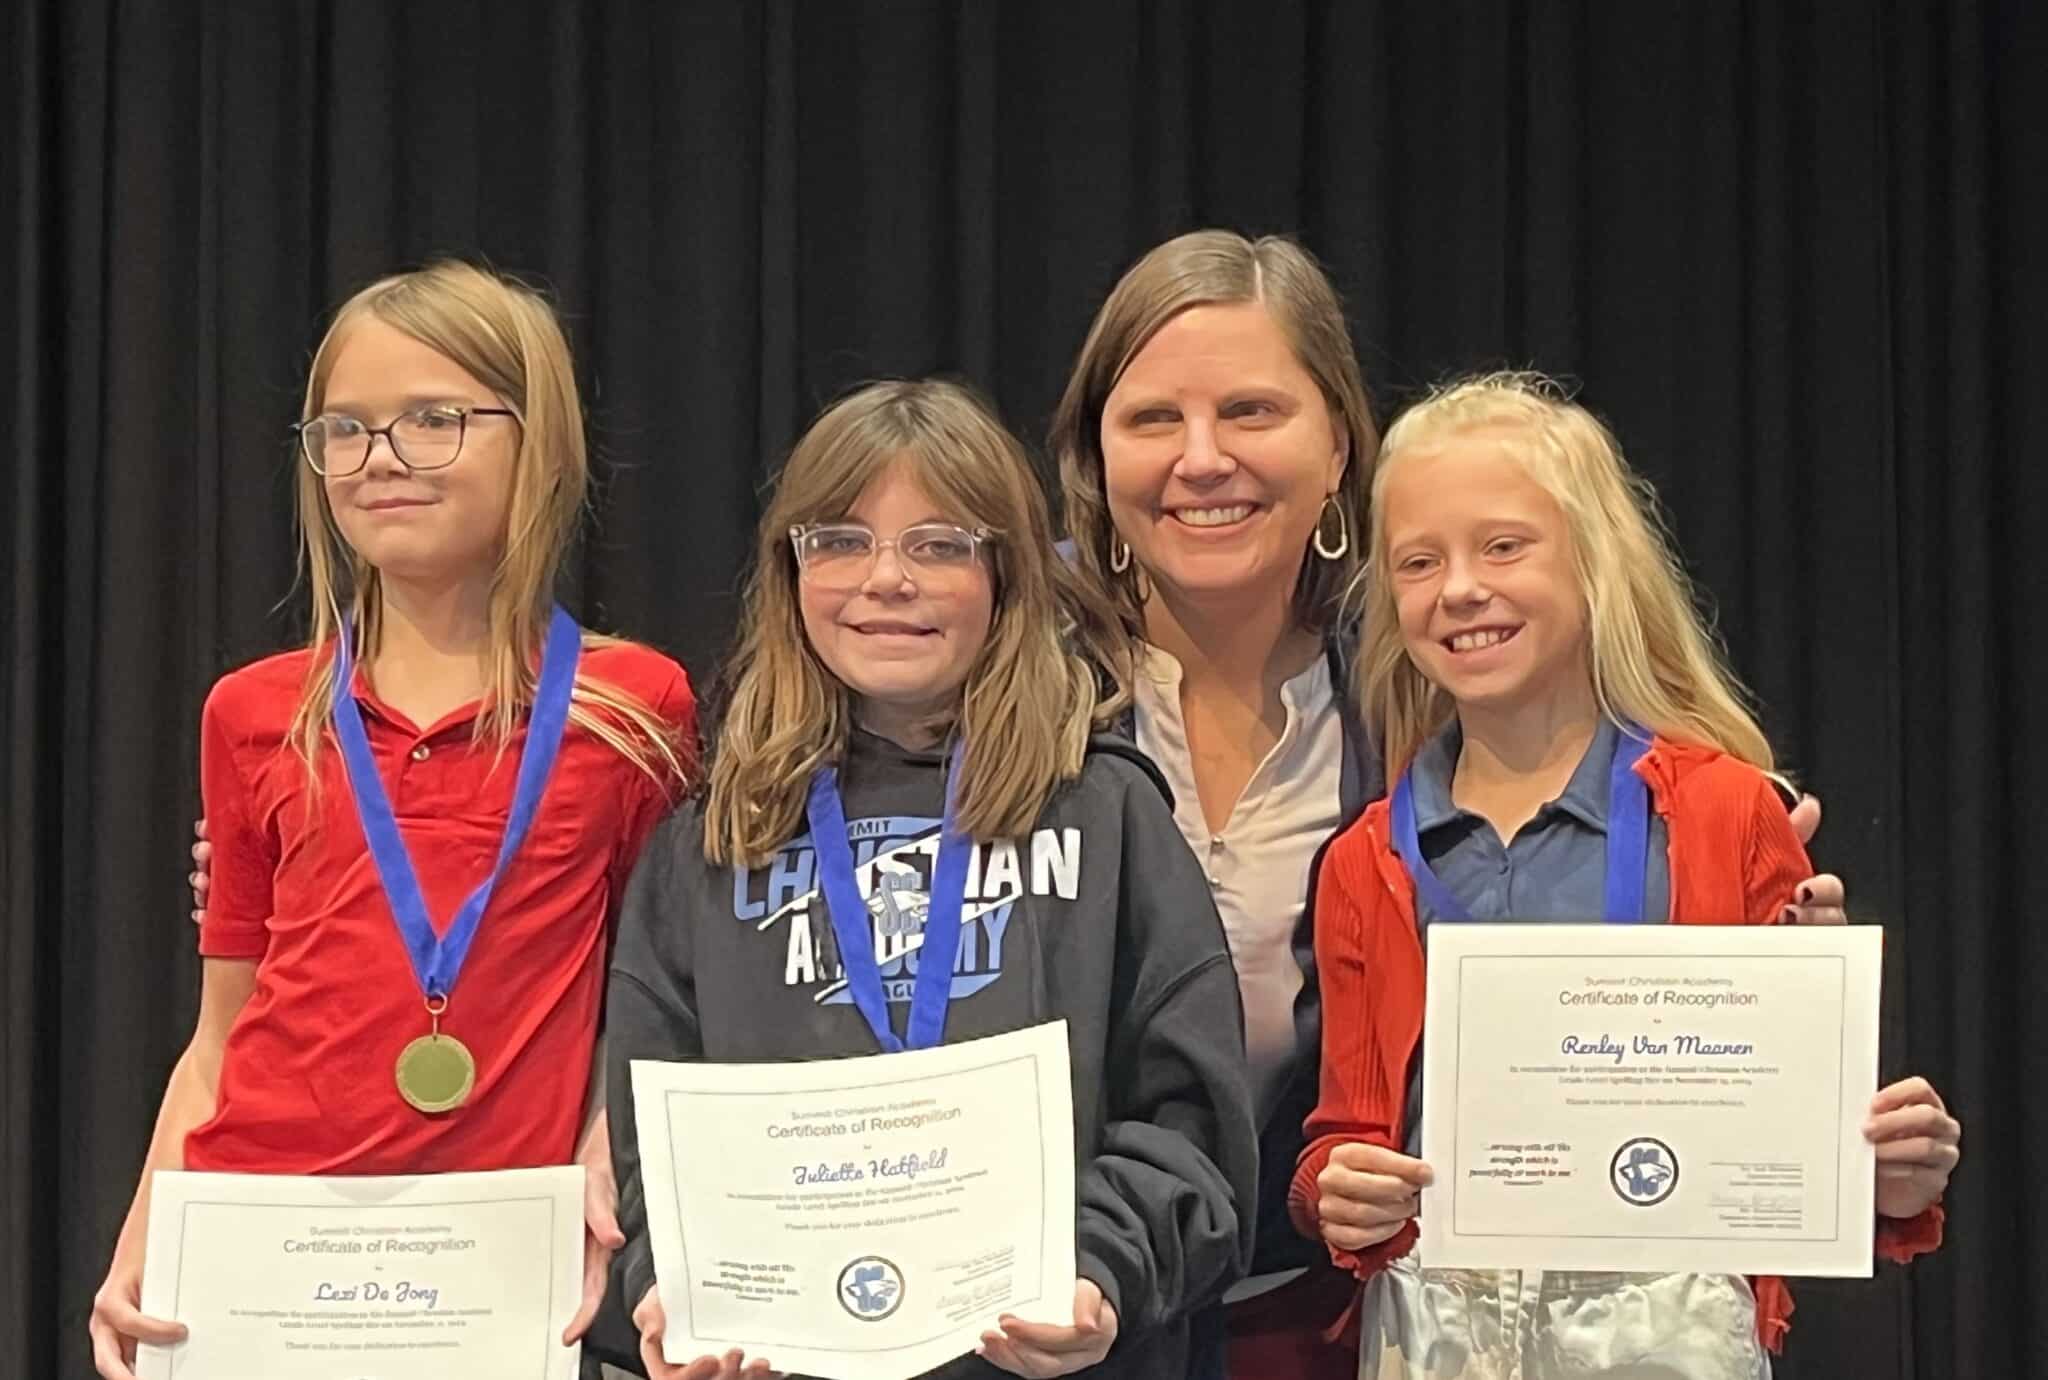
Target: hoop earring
{"type": "Point", "coordinates": [1343, 531]}
{"type": "Point", "coordinates": [1119, 556]}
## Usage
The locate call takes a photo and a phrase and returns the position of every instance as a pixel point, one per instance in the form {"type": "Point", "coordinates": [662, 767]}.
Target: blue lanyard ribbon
{"type": "Point", "coordinates": [855, 930]}
{"type": "Point", "coordinates": [1628, 838]}
{"type": "Point", "coordinates": [437, 962]}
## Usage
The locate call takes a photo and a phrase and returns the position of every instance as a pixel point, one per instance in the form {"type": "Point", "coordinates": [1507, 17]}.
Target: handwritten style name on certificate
{"type": "Point", "coordinates": [1650, 1098]}
{"type": "Point", "coordinates": [337, 1278]}
{"type": "Point", "coordinates": [862, 1218]}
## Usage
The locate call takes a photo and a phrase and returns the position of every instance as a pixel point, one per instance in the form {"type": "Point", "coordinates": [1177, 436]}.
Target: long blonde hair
{"type": "Point", "coordinates": [1029, 700]}
{"type": "Point", "coordinates": [1654, 661]}
{"type": "Point", "coordinates": [1209, 268]}
{"type": "Point", "coordinates": [507, 336]}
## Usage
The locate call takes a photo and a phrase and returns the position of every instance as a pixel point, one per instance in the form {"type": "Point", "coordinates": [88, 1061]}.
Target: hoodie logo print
{"type": "Point", "coordinates": [893, 861]}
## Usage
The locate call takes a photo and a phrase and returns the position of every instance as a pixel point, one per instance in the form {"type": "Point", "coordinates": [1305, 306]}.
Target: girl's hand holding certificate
{"type": "Point", "coordinates": [1368, 1191]}
{"type": "Point", "coordinates": [1039, 1350]}
{"type": "Point", "coordinates": [118, 1323]}
{"type": "Point", "coordinates": [1918, 1146]}
{"type": "Point", "coordinates": [653, 1323]}
{"type": "Point", "coordinates": [601, 1234]}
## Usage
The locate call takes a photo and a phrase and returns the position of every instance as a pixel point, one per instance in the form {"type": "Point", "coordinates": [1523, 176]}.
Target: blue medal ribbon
{"type": "Point", "coordinates": [1628, 838]}
{"type": "Point", "coordinates": [855, 930]}
{"type": "Point", "coordinates": [437, 961]}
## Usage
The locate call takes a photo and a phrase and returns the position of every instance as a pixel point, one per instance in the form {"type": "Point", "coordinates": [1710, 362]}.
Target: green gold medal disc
{"type": "Point", "coordinates": [436, 1072]}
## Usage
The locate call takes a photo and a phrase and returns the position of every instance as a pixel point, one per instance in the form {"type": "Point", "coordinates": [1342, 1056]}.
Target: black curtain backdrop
{"type": "Point", "coordinates": [1795, 255]}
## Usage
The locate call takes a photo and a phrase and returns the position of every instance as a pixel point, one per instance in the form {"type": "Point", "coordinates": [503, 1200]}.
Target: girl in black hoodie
{"type": "Point", "coordinates": [906, 610]}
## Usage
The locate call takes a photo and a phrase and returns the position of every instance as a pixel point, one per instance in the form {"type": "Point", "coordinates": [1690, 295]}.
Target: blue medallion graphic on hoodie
{"type": "Point", "coordinates": [893, 858]}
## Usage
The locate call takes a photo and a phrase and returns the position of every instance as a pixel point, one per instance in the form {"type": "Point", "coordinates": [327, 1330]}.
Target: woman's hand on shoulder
{"type": "Point", "coordinates": [1818, 900]}
{"type": "Point", "coordinates": [201, 877]}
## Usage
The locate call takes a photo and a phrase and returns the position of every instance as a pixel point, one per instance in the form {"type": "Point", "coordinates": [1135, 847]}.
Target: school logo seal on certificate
{"type": "Point", "coordinates": [870, 1288]}
{"type": "Point", "coordinates": [1644, 1171]}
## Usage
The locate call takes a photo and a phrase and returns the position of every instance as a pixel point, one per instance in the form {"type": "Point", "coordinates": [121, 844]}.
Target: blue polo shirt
{"type": "Point", "coordinates": [1555, 867]}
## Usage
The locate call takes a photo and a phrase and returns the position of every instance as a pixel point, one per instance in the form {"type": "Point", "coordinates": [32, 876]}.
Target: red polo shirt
{"type": "Point", "coordinates": [306, 1082]}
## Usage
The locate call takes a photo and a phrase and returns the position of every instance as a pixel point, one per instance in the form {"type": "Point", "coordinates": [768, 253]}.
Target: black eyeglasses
{"type": "Point", "coordinates": [426, 438]}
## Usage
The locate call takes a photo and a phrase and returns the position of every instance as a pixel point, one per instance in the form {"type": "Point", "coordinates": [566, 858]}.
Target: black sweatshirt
{"type": "Point", "coordinates": [1101, 917]}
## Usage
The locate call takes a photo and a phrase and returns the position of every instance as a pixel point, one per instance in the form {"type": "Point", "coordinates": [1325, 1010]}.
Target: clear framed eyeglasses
{"type": "Point", "coordinates": [839, 555]}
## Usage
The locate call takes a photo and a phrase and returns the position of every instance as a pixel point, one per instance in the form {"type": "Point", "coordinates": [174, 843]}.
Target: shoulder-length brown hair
{"type": "Point", "coordinates": [1206, 268]}
{"type": "Point", "coordinates": [1029, 701]}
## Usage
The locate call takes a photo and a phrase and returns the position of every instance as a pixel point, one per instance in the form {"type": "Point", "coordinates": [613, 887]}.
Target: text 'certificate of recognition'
{"type": "Point", "coordinates": [336, 1278]}
{"type": "Point", "coordinates": [1650, 1098]}
{"type": "Point", "coordinates": [860, 1218]}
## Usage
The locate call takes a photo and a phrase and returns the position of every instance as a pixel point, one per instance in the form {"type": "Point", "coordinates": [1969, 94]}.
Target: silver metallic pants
{"type": "Point", "coordinates": [1557, 1325]}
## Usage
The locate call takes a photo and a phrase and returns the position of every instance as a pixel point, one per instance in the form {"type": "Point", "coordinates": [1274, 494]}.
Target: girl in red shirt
{"type": "Point", "coordinates": [442, 472]}
{"type": "Point", "coordinates": [1529, 634]}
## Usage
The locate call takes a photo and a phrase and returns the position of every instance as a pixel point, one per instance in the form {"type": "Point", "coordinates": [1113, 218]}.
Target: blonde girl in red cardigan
{"type": "Point", "coordinates": [1526, 624]}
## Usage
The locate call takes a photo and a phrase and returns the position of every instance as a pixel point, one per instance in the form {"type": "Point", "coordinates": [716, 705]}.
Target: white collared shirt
{"type": "Point", "coordinates": [1258, 865]}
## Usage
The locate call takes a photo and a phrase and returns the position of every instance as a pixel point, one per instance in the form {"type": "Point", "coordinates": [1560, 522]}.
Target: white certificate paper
{"type": "Point", "coordinates": [1650, 1098]}
{"type": "Point", "coordinates": [419, 1278]}
{"type": "Point", "coordinates": [866, 1218]}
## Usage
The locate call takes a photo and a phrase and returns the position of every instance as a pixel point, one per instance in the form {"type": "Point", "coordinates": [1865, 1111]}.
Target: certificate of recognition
{"type": "Point", "coordinates": [863, 1218]}
{"type": "Point", "coordinates": [1650, 1098]}
{"type": "Point", "coordinates": [339, 1278]}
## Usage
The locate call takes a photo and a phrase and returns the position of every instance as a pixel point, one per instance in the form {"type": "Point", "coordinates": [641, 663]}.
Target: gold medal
{"type": "Point", "coordinates": [436, 1071]}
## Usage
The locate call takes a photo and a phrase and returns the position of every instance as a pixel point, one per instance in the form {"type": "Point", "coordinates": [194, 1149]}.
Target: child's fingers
{"type": "Point", "coordinates": [1377, 1159]}
{"type": "Point", "coordinates": [128, 1321]}
{"type": "Point", "coordinates": [1344, 1212]}
{"type": "Point", "coordinates": [1053, 1339]}
{"type": "Point", "coordinates": [1018, 1358]}
{"type": "Point", "coordinates": [1906, 1092]}
{"type": "Point", "coordinates": [1349, 1186]}
{"type": "Point", "coordinates": [1909, 1122]}
{"type": "Point", "coordinates": [1915, 1118]}
{"type": "Point", "coordinates": [1375, 1224]}
{"type": "Point", "coordinates": [596, 1273]}
{"type": "Point", "coordinates": [997, 1351]}
{"type": "Point", "coordinates": [1359, 1238]}
{"type": "Point", "coordinates": [650, 1358]}
{"type": "Point", "coordinates": [109, 1357]}
{"type": "Point", "coordinates": [1805, 816]}
{"type": "Point", "coordinates": [648, 1319]}
{"type": "Point", "coordinates": [1382, 1221]}
{"type": "Point", "coordinates": [1919, 1152]}
{"type": "Point", "coordinates": [600, 1211]}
